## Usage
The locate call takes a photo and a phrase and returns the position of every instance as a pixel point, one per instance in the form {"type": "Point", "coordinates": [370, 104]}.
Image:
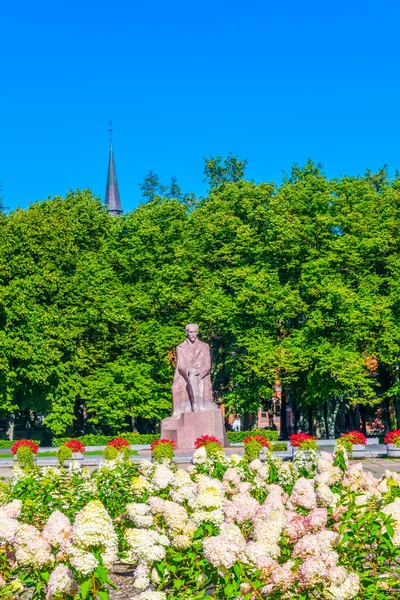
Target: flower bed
{"type": "Point", "coordinates": [227, 528]}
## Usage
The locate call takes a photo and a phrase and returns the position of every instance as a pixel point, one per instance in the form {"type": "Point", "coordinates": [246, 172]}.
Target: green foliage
{"type": "Point", "coordinates": [162, 451]}
{"type": "Point", "coordinates": [42, 492]}
{"type": "Point", "coordinates": [25, 458]}
{"type": "Point", "coordinates": [344, 443]}
{"type": "Point", "coordinates": [102, 440]}
{"type": "Point", "coordinates": [110, 453]}
{"type": "Point", "coordinates": [213, 449]}
{"type": "Point", "coordinates": [5, 493]}
{"type": "Point", "coordinates": [239, 436]}
{"type": "Point", "coordinates": [366, 546]}
{"type": "Point", "coordinates": [63, 453]}
{"type": "Point", "coordinates": [8, 443]}
{"type": "Point", "coordinates": [252, 450]}
{"type": "Point", "coordinates": [296, 283]}
{"type": "Point", "coordinates": [278, 446]}
{"type": "Point", "coordinates": [219, 170]}
{"type": "Point", "coordinates": [308, 445]}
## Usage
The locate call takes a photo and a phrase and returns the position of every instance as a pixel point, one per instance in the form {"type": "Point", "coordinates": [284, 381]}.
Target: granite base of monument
{"type": "Point", "coordinates": [185, 429]}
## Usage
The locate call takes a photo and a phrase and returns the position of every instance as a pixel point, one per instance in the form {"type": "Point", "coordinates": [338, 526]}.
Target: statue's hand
{"type": "Point", "coordinates": [192, 371]}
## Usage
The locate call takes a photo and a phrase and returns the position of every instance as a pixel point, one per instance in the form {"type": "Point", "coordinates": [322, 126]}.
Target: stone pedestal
{"type": "Point", "coordinates": [185, 429]}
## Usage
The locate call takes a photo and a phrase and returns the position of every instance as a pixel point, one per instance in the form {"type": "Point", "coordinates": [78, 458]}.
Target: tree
{"type": "Point", "coordinates": [219, 170]}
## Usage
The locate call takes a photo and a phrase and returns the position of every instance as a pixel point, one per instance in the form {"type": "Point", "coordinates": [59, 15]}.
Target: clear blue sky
{"type": "Point", "coordinates": [275, 82]}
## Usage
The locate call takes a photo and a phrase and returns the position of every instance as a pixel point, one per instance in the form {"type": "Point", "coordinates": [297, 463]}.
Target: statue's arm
{"type": "Point", "coordinates": [206, 366]}
{"type": "Point", "coordinates": [181, 369]}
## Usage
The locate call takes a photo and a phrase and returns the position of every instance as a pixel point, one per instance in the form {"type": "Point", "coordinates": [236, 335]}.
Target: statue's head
{"type": "Point", "coordinates": [192, 331]}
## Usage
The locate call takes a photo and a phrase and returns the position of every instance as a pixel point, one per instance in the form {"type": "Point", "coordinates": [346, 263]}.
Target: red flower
{"type": "Point", "coordinates": [76, 446]}
{"type": "Point", "coordinates": [355, 437]}
{"type": "Point", "coordinates": [297, 439]}
{"type": "Point", "coordinates": [206, 439]}
{"type": "Point", "coordinates": [27, 443]}
{"type": "Point", "coordinates": [163, 441]}
{"type": "Point", "coordinates": [258, 438]}
{"type": "Point", "coordinates": [119, 443]}
{"type": "Point", "coordinates": [392, 437]}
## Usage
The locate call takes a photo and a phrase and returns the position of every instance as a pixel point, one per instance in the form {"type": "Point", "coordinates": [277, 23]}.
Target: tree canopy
{"type": "Point", "coordinates": [296, 283]}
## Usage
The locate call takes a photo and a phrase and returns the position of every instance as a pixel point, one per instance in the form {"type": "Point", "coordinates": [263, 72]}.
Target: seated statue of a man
{"type": "Point", "coordinates": [191, 389]}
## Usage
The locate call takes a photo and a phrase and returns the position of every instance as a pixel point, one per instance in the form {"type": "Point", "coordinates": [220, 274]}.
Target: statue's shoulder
{"type": "Point", "coordinates": [180, 346]}
{"type": "Point", "coordinates": [203, 345]}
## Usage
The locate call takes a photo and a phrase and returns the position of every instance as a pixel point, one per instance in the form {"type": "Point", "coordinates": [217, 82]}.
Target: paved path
{"type": "Point", "coordinates": [378, 466]}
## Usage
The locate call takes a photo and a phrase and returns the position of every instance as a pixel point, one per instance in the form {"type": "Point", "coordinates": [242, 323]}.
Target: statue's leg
{"type": "Point", "coordinates": [181, 402]}
{"type": "Point", "coordinates": [196, 391]}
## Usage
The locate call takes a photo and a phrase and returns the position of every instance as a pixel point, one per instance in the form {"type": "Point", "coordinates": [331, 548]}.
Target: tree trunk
{"type": "Point", "coordinates": [332, 409]}
{"type": "Point", "coordinates": [10, 427]}
{"type": "Point", "coordinates": [320, 429]}
{"type": "Point", "coordinates": [326, 420]}
{"type": "Point", "coordinates": [283, 425]}
{"type": "Point", "coordinates": [358, 418]}
{"type": "Point", "coordinates": [302, 419]}
{"type": "Point", "coordinates": [271, 422]}
{"type": "Point", "coordinates": [384, 379]}
{"type": "Point", "coordinates": [363, 419]}
{"type": "Point", "coordinates": [246, 421]}
{"type": "Point", "coordinates": [310, 421]}
{"type": "Point", "coordinates": [397, 409]}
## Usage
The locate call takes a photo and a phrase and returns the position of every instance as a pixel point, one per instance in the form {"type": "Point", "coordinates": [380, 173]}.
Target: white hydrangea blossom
{"type": "Point", "coordinates": [325, 496]}
{"type": "Point", "coordinates": [200, 456]}
{"type": "Point", "coordinates": [31, 548]}
{"type": "Point", "coordinates": [149, 595]}
{"type": "Point", "coordinates": [61, 583]}
{"type": "Point", "coordinates": [139, 514]}
{"type": "Point", "coordinates": [12, 509]}
{"type": "Point", "coordinates": [162, 477]}
{"type": "Point", "coordinates": [224, 549]}
{"type": "Point", "coordinates": [209, 493]}
{"type": "Point", "coordinates": [140, 484]}
{"type": "Point", "coordinates": [146, 545]}
{"type": "Point", "coordinates": [347, 590]}
{"type": "Point", "coordinates": [287, 473]}
{"type": "Point", "coordinates": [306, 459]}
{"type": "Point", "coordinates": [17, 475]}
{"type": "Point", "coordinates": [83, 561]}
{"type": "Point", "coordinates": [393, 509]}
{"type": "Point", "coordinates": [58, 529]}
{"type": "Point", "coordinates": [141, 578]}
{"type": "Point", "coordinates": [8, 528]}
{"type": "Point", "coordinates": [93, 528]}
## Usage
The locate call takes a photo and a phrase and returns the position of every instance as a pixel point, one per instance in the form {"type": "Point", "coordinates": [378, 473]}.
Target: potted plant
{"type": "Point", "coordinates": [392, 441]}
{"type": "Point", "coordinates": [118, 447]}
{"type": "Point", "coordinates": [253, 445]}
{"type": "Point", "coordinates": [71, 450]}
{"type": "Point", "coordinates": [354, 443]}
{"type": "Point", "coordinates": [302, 441]}
{"type": "Point", "coordinates": [25, 452]}
{"type": "Point", "coordinates": [162, 450]}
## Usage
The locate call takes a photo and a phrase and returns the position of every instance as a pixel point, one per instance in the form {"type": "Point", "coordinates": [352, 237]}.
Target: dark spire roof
{"type": "Point", "coordinates": [113, 201]}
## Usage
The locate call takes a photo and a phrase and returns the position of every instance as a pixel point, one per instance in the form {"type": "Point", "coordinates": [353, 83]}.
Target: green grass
{"type": "Point", "coordinates": [54, 454]}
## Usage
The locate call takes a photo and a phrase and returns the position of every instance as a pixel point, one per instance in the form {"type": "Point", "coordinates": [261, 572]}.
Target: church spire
{"type": "Point", "coordinates": [113, 201]}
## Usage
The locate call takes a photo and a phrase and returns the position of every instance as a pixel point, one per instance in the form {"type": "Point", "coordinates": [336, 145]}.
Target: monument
{"type": "Point", "coordinates": [194, 412]}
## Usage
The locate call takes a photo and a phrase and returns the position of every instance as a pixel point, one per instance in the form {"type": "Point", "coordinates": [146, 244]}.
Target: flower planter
{"type": "Point", "coordinates": [393, 451]}
{"type": "Point", "coordinates": [77, 458]}
{"type": "Point", "coordinates": [358, 451]}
